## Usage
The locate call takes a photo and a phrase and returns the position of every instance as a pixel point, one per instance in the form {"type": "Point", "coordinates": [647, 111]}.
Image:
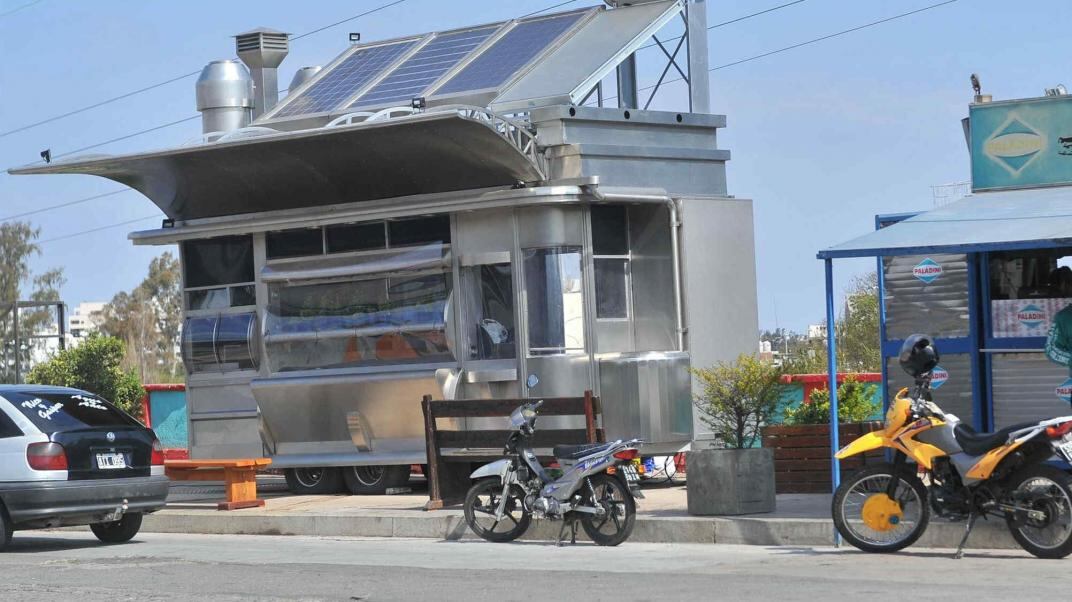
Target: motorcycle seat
{"type": "Point", "coordinates": [977, 444]}
{"type": "Point", "coordinates": [575, 452]}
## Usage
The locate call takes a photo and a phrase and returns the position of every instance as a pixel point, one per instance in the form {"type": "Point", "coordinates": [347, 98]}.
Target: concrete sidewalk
{"type": "Point", "coordinates": [800, 519]}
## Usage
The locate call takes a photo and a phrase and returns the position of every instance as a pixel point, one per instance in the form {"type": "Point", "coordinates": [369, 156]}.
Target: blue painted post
{"type": "Point", "coordinates": [831, 366]}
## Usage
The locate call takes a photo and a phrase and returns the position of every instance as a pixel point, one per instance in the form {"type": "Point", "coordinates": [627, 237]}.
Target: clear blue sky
{"type": "Point", "coordinates": [823, 137]}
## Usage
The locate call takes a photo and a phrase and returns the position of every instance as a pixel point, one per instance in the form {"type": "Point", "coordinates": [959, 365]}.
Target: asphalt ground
{"type": "Point", "coordinates": [74, 566]}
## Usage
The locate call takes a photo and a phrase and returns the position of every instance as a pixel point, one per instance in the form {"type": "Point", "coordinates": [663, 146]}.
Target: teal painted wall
{"type": "Point", "coordinates": [167, 412]}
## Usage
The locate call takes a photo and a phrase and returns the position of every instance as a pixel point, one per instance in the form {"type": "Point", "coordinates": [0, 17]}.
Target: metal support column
{"type": "Point", "coordinates": [627, 84]}
{"type": "Point", "coordinates": [831, 366]}
{"type": "Point", "coordinates": [699, 77]}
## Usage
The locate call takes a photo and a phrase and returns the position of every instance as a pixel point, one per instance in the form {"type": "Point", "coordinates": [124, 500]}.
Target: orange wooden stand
{"type": "Point", "coordinates": [238, 475]}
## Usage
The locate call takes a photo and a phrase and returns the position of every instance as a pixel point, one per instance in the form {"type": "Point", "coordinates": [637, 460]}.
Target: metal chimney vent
{"type": "Point", "coordinates": [262, 50]}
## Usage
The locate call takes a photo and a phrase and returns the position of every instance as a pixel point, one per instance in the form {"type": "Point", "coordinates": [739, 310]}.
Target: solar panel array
{"type": "Point", "coordinates": [492, 68]}
{"type": "Point", "coordinates": [426, 66]}
{"type": "Point", "coordinates": [345, 79]}
{"type": "Point", "coordinates": [510, 53]}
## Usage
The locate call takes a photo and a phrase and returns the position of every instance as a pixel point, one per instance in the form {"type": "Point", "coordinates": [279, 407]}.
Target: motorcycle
{"type": "Point", "coordinates": [596, 488]}
{"type": "Point", "coordinates": [965, 474]}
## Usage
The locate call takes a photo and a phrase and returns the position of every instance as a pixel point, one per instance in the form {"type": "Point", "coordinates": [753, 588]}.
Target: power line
{"type": "Point", "coordinates": [176, 78]}
{"type": "Point", "coordinates": [805, 43]}
{"type": "Point", "coordinates": [731, 21]}
{"type": "Point", "coordinates": [98, 229]}
{"type": "Point", "coordinates": [543, 10]}
{"type": "Point", "coordinates": [67, 204]}
{"type": "Point", "coordinates": [18, 8]}
{"type": "Point", "coordinates": [138, 133]}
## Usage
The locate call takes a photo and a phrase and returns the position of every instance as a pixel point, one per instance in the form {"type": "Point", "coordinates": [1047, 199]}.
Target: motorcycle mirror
{"type": "Point", "coordinates": [532, 381]}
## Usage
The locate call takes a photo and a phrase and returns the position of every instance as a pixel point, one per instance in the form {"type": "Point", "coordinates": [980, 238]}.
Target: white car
{"type": "Point", "coordinates": [68, 457]}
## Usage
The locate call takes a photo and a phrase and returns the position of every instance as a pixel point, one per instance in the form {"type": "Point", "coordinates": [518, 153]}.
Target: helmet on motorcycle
{"type": "Point", "coordinates": [918, 355]}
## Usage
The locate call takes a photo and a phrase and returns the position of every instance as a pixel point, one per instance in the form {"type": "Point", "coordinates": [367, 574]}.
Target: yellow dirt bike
{"type": "Point", "coordinates": [1006, 474]}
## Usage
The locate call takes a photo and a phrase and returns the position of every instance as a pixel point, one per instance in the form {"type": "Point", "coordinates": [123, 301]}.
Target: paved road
{"type": "Point", "coordinates": [73, 566]}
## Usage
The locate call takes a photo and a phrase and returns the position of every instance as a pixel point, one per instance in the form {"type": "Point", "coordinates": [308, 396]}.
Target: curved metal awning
{"type": "Point", "coordinates": [417, 154]}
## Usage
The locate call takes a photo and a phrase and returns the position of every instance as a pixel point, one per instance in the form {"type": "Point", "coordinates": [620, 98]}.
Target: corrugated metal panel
{"type": "Point", "coordinates": [939, 308]}
{"type": "Point", "coordinates": [1024, 386]}
{"type": "Point", "coordinates": [989, 219]}
{"type": "Point", "coordinates": [953, 396]}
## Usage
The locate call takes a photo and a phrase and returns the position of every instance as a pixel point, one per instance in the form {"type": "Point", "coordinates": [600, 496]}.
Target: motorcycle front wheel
{"type": "Point", "coordinates": [619, 511]}
{"type": "Point", "coordinates": [481, 508]}
{"type": "Point", "coordinates": [1047, 490]}
{"type": "Point", "coordinates": [871, 520]}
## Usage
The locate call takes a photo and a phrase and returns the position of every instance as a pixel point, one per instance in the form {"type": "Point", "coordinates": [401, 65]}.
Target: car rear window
{"type": "Point", "coordinates": [53, 412]}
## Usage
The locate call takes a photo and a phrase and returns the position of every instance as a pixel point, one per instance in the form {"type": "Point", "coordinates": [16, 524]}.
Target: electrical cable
{"type": "Point", "coordinates": [543, 10]}
{"type": "Point", "coordinates": [98, 229]}
{"type": "Point", "coordinates": [731, 21]}
{"type": "Point", "coordinates": [800, 44]}
{"type": "Point", "coordinates": [18, 8]}
{"type": "Point", "coordinates": [177, 77]}
{"type": "Point", "coordinates": [62, 205]}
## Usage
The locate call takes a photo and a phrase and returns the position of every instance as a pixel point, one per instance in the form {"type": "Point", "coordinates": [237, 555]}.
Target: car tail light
{"type": "Point", "coordinates": [627, 454]}
{"type": "Point", "coordinates": [46, 456]}
{"type": "Point", "coordinates": [157, 457]}
{"type": "Point", "coordinates": [1060, 430]}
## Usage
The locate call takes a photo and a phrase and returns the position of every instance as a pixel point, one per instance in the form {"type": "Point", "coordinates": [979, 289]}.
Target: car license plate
{"type": "Point", "coordinates": [630, 472]}
{"type": "Point", "coordinates": [1066, 449]}
{"type": "Point", "coordinates": [111, 461]}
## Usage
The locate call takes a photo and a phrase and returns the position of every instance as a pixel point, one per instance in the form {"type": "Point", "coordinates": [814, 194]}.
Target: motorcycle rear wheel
{"type": "Point", "coordinates": [886, 534]}
{"type": "Point", "coordinates": [1048, 489]}
{"type": "Point", "coordinates": [616, 525]}
{"type": "Point", "coordinates": [481, 504]}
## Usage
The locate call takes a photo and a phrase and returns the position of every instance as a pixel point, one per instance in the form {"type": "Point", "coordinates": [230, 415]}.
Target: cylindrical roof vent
{"type": "Point", "coordinates": [303, 75]}
{"type": "Point", "coordinates": [224, 96]}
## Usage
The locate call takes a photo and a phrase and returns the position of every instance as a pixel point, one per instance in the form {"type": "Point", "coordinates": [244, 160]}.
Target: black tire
{"type": "Point", "coordinates": [374, 480]}
{"type": "Point", "coordinates": [874, 474]}
{"type": "Point", "coordinates": [6, 528]}
{"type": "Point", "coordinates": [317, 480]}
{"type": "Point", "coordinates": [480, 503]}
{"type": "Point", "coordinates": [616, 525]}
{"type": "Point", "coordinates": [120, 531]}
{"type": "Point", "coordinates": [1057, 485]}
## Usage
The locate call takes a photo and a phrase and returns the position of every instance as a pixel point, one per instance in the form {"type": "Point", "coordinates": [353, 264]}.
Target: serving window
{"type": "Point", "coordinates": [218, 273]}
{"type": "Point", "coordinates": [554, 300]}
{"type": "Point", "coordinates": [1027, 289]}
{"type": "Point", "coordinates": [220, 343]}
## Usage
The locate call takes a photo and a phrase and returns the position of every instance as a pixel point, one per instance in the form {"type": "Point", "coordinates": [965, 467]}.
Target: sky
{"type": "Point", "coordinates": [823, 137]}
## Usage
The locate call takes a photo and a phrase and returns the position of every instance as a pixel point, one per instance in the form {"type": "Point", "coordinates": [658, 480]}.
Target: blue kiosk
{"type": "Point", "coordinates": [984, 275]}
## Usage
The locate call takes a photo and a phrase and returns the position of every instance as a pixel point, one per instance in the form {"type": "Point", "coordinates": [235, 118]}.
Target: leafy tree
{"type": "Point", "coordinates": [856, 403]}
{"type": "Point", "coordinates": [147, 319]}
{"type": "Point", "coordinates": [95, 366]}
{"type": "Point", "coordinates": [17, 246]}
{"type": "Point", "coordinates": [857, 333]}
{"type": "Point", "coordinates": [738, 398]}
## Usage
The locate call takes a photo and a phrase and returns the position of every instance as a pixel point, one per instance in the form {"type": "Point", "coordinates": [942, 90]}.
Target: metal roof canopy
{"type": "Point", "coordinates": [988, 221]}
{"type": "Point", "coordinates": [422, 153]}
{"type": "Point", "coordinates": [560, 67]}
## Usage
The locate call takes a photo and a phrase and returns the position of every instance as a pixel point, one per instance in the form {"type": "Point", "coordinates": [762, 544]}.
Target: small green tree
{"type": "Point", "coordinates": [856, 403]}
{"type": "Point", "coordinates": [738, 398]}
{"type": "Point", "coordinates": [95, 366]}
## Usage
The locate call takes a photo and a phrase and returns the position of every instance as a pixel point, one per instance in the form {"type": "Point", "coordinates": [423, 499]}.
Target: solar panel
{"type": "Point", "coordinates": [426, 66]}
{"type": "Point", "coordinates": [345, 79]}
{"type": "Point", "coordinates": [510, 53]}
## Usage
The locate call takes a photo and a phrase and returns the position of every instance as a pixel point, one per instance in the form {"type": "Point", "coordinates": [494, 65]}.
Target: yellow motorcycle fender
{"type": "Point", "coordinates": [868, 442]}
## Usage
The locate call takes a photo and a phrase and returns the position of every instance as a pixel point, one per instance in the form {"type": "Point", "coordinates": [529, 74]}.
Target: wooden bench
{"type": "Point", "coordinates": [239, 477]}
{"type": "Point", "coordinates": [448, 475]}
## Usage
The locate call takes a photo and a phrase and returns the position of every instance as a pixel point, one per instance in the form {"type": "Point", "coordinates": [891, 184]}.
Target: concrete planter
{"type": "Point", "coordinates": [730, 481]}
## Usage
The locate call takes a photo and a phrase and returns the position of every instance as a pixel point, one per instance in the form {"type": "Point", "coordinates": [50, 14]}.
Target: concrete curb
{"type": "Point", "coordinates": [450, 525]}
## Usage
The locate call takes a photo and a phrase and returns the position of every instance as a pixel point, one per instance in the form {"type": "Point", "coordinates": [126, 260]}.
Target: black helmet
{"type": "Point", "coordinates": [918, 355]}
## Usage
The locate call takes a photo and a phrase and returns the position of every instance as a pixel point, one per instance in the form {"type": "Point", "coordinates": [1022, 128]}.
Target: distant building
{"type": "Point", "coordinates": [816, 331]}
{"type": "Point", "coordinates": [83, 321]}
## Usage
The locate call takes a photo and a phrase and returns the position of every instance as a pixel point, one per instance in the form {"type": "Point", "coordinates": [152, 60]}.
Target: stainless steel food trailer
{"type": "Point", "coordinates": [442, 214]}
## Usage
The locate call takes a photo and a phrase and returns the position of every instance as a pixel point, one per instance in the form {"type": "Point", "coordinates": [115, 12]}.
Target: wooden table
{"type": "Point", "coordinates": [239, 476]}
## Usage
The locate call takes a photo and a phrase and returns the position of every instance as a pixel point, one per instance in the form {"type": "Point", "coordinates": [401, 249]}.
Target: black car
{"type": "Point", "coordinates": [68, 457]}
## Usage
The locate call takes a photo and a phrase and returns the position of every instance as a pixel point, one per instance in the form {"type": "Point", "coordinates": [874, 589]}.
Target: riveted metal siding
{"type": "Point", "coordinates": [939, 309]}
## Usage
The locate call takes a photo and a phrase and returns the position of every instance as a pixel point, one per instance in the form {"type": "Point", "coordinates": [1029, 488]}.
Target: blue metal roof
{"type": "Point", "coordinates": [989, 221]}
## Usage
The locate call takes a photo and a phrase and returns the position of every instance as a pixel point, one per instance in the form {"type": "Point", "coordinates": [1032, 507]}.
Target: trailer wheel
{"type": "Point", "coordinates": [374, 480]}
{"type": "Point", "coordinates": [313, 481]}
